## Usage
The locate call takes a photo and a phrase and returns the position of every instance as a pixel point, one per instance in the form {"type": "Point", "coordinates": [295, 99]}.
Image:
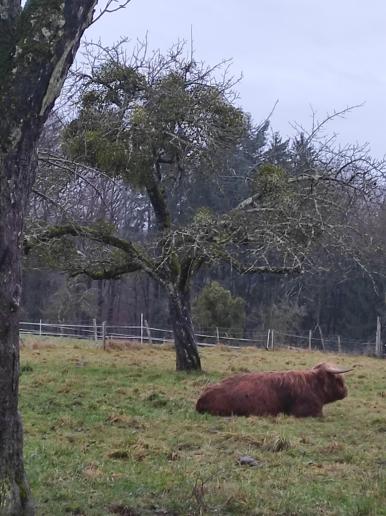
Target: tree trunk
{"type": "Point", "coordinates": [100, 302]}
{"type": "Point", "coordinates": [111, 302]}
{"type": "Point", "coordinates": [187, 357]}
{"type": "Point", "coordinates": [38, 43]}
{"type": "Point", "coordinates": [14, 491]}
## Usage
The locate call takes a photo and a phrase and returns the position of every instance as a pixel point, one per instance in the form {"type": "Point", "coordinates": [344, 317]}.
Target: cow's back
{"type": "Point", "coordinates": [243, 395]}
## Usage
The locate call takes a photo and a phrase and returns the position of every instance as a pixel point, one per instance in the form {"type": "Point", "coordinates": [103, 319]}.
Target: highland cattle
{"type": "Point", "coordinates": [296, 393]}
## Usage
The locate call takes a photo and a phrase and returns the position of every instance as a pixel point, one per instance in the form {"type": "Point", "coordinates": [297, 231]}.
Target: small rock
{"type": "Point", "coordinates": [246, 460]}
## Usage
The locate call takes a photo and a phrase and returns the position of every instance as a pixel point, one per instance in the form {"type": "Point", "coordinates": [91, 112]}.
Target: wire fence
{"type": "Point", "coordinates": [103, 334]}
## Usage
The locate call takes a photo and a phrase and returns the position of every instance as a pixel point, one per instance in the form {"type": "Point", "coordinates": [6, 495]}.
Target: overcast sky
{"type": "Point", "coordinates": [321, 55]}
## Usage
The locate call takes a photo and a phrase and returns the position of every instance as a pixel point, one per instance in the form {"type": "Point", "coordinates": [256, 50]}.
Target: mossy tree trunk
{"type": "Point", "coordinates": [187, 356]}
{"type": "Point", "coordinates": [37, 46]}
{"type": "Point", "coordinates": [14, 491]}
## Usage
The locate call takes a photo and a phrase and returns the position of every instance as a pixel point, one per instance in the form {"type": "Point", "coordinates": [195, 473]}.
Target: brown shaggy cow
{"type": "Point", "coordinates": [297, 393]}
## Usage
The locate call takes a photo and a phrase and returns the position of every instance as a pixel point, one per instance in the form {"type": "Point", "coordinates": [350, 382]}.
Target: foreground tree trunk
{"type": "Point", "coordinates": [187, 357]}
{"type": "Point", "coordinates": [37, 46]}
{"type": "Point", "coordinates": [14, 491]}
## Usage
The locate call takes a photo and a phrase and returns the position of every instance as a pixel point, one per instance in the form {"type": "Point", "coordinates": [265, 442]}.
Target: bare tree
{"type": "Point", "coordinates": [157, 125]}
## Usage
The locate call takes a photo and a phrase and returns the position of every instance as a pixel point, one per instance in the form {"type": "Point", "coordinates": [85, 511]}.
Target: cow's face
{"type": "Point", "coordinates": [334, 387]}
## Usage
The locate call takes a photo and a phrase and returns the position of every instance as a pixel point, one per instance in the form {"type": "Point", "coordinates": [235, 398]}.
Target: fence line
{"type": "Point", "coordinates": [144, 333]}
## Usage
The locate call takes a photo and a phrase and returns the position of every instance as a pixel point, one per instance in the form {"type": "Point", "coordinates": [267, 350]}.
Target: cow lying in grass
{"type": "Point", "coordinates": [296, 393]}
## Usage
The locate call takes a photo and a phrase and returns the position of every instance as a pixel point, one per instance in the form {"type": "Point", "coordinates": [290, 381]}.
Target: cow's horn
{"type": "Point", "coordinates": [337, 370]}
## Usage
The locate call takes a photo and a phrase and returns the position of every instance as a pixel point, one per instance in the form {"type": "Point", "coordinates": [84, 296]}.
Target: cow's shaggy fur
{"type": "Point", "coordinates": [297, 393]}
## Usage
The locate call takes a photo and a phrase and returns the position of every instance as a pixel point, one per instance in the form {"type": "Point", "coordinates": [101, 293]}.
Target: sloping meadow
{"type": "Point", "coordinates": [116, 432]}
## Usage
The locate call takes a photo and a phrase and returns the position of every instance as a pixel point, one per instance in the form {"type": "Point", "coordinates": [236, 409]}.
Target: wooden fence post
{"type": "Point", "coordinates": [272, 333]}
{"type": "Point", "coordinates": [268, 339]}
{"type": "Point", "coordinates": [148, 332]}
{"type": "Point", "coordinates": [378, 341]}
{"type": "Point", "coordinates": [104, 335]}
{"type": "Point", "coordinates": [141, 328]}
{"type": "Point", "coordinates": [310, 340]}
{"type": "Point", "coordinates": [321, 337]}
{"type": "Point", "coordinates": [40, 327]}
{"type": "Point", "coordinates": [217, 336]}
{"type": "Point", "coordinates": [339, 345]}
{"type": "Point", "coordinates": [95, 330]}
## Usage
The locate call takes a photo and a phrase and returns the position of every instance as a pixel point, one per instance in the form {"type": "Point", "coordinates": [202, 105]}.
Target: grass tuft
{"type": "Point", "coordinates": [276, 443]}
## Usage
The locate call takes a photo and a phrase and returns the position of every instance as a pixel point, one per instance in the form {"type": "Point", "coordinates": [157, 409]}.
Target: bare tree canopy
{"type": "Point", "coordinates": [164, 127]}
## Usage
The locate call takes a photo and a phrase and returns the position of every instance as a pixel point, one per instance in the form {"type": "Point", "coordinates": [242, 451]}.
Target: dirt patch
{"type": "Point", "coordinates": [122, 510]}
{"type": "Point", "coordinates": [118, 454]}
{"type": "Point", "coordinates": [123, 421]}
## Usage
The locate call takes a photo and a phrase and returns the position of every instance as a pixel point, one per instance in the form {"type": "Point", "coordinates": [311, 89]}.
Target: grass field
{"type": "Point", "coordinates": [115, 432]}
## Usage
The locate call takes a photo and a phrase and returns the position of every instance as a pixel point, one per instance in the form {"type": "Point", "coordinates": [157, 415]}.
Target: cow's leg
{"type": "Point", "coordinates": [307, 408]}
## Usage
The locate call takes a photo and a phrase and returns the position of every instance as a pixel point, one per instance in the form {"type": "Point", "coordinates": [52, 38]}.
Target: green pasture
{"type": "Point", "coordinates": [115, 432]}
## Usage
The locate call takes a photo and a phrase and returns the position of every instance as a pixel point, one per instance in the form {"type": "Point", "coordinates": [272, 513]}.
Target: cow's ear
{"type": "Point", "coordinates": [321, 365]}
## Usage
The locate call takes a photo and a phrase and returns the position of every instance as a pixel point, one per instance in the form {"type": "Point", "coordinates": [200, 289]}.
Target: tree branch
{"type": "Point", "coordinates": [109, 9]}
{"type": "Point", "coordinates": [137, 258]}
{"type": "Point", "coordinates": [48, 199]}
{"type": "Point", "coordinates": [100, 271]}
